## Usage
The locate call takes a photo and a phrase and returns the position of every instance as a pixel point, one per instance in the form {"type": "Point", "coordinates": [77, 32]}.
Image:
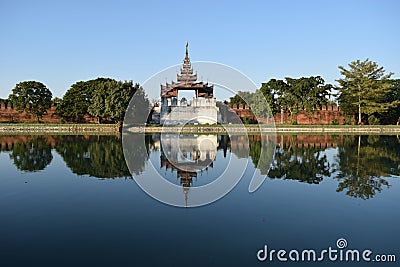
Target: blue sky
{"type": "Point", "coordinates": [61, 42]}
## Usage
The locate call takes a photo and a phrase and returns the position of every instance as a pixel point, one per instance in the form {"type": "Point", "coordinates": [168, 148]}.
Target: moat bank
{"type": "Point", "coordinates": [58, 128]}
{"type": "Point", "coordinates": [201, 129]}
{"type": "Point", "coordinates": [315, 129]}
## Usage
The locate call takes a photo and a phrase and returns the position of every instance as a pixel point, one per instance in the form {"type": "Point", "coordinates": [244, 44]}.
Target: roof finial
{"type": "Point", "coordinates": [187, 52]}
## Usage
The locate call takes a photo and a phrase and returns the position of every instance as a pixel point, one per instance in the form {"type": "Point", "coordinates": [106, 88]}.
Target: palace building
{"type": "Point", "coordinates": [200, 109]}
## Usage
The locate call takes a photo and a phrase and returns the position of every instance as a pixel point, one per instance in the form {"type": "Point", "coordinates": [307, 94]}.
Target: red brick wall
{"type": "Point", "coordinates": [326, 115]}
{"type": "Point", "coordinates": [9, 114]}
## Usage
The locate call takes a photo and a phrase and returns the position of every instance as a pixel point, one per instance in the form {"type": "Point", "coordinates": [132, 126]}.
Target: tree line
{"type": "Point", "coordinates": [103, 98]}
{"type": "Point", "coordinates": [365, 93]}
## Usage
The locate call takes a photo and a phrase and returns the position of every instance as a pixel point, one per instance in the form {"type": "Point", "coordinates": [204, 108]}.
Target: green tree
{"type": "Point", "coordinates": [138, 109]}
{"type": "Point", "coordinates": [262, 104]}
{"type": "Point", "coordinates": [32, 97]}
{"type": "Point", "coordinates": [244, 98]}
{"type": "Point", "coordinates": [75, 103]}
{"type": "Point", "coordinates": [119, 97]}
{"type": "Point", "coordinates": [363, 89]}
{"type": "Point", "coordinates": [56, 101]}
{"type": "Point", "coordinates": [282, 97]}
{"type": "Point", "coordinates": [268, 91]}
{"type": "Point", "coordinates": [392, 115]}
{"type": "Point", "coordinates": [85, 98]}
{"type": "Point", "coordinates": [310, 92]}
{"type": "Point", "coordinates": [100, 89]}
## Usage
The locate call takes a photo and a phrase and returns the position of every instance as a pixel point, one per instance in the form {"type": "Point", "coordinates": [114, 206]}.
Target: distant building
{"type": "Point", "coordinates": [200, 109]}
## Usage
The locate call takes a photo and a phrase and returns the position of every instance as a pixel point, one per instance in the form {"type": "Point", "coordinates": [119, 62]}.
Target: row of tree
{"type": "Point", "coordinates": [364, 91]}
{"type": "Point", "coordinates": [103, 98]}
{"type": "Point", "coordinates": [363, 165]}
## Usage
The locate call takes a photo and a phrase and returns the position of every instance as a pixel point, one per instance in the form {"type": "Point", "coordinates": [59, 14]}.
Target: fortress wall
{"type": "Point", "coordinates": [9, 114]}
{"type": "Point", "coordinates": [325, 115]}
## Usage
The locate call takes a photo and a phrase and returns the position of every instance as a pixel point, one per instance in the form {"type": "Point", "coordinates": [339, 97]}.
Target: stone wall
{"type": "Point", "coordinates": [325, 115]}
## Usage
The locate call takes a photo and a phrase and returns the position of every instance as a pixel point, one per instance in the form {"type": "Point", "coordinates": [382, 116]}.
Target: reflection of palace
{"type": "Point", "coordinates": [188, 154]}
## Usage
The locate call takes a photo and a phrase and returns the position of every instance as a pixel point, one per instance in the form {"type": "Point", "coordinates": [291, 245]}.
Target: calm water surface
{"type": "Point", "coordinates": [71, 201]}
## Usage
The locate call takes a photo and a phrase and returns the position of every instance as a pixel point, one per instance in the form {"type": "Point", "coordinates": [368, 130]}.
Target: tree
{"type": "Point", "coordinates": [293, 95]}
{"type": "Point", "coordinates": [392, 115]}
{"type": "Point", "coordinates": [138, 109]}
{"type": "Point", "coordinates": [56, 101]}
{"type": "Point", "coordinates": [85, 98]}
{"type": "Point", "coordinates": [32, 97]}
{"type": "Point", "coordinates": [281, 92]}
{"type": "Point", "coordinates": [100, 90]}
{"type": "Point", "coordinates": [76, 101]}
{"type": "Point", "coordinates": [118, 100]}
{"type": "Point", "coordinates": [243, 98]}
{"type": "Point", "coordinates": [363, 88]}
{"type": "Point", "coordinates": [311, 92]}
{"type": "Point", "coordinates": [261, 106]}
{"type": "Point", "coordinates": [268, 91]}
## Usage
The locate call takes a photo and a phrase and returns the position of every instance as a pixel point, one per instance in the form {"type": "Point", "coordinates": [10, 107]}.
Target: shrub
{"type": "Point", "coordinates": [349, 120]}
{"type": "Point", "coordinates": [372, 120]}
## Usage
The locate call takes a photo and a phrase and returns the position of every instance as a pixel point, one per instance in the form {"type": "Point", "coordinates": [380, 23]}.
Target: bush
{"type": "Point", "coordinates": [335, 122]}
{"type": "Point", "coordinates": [372, 120]}
{"type": "Point", "coordinates": [294, 123]}
{"type": "Point", "coordinates": [349, 120]}
{"type": "Point", "coordinates": [246, 120]}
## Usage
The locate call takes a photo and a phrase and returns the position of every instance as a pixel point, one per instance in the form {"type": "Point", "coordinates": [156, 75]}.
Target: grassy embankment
{"type": "Point", "coordinates": [35, 128]}
{"type": "Point", "coordinates": [53, 128]}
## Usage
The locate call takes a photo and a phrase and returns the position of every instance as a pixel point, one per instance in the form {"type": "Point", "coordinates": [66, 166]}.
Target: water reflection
{"type": "Point", "coordinates": [186, 157]}
{"type": "Point", "coordinates": [361, 165]}
{"type": "Point", "coordinates": [98, 156]}
{"type": "Point", "coordinates": [302, 160]}
{"type": "Point", "coordinates": [31, 154]}
{"type": "Point", "coordinates": [365, 163]}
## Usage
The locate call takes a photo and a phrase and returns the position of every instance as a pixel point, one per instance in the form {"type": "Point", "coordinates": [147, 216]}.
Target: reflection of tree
{"type": "Point", "coordinates": [305, 164]}
{"type": "Point", "coordinates": [99, 156]}
{"type": "Point", "coordinates": [136, 152]}
{"type": "Point", "coordinates": [365, 162]}
{"type": "Point", "coordinates": [240, 146]}
{"type": "Point", "coordinates": [33, 155]}
{"type": "Point", "coordinates": [261, 154]}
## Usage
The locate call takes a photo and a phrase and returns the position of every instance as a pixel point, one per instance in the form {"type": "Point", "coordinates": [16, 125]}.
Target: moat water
{"type": "Point", "coordinates": [71, 201]}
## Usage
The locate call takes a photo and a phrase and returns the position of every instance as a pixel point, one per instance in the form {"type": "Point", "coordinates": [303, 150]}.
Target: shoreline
{"type": "Point", "coordinates": [284, 129]}
{"type": "Point", "coordinates": [196, 129]}
{"type": "Point", "coordinates": [47, 129]}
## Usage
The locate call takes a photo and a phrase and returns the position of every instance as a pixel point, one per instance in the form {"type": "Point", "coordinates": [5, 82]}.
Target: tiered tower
{"type": "Point", "coordinates": [201, 109]}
